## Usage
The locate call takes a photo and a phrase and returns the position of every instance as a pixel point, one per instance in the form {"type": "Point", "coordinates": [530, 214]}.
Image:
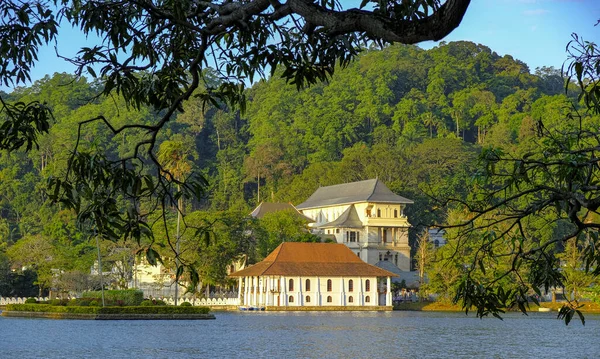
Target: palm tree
{"type": "Point", "coordinates": [429, 120]}
{"type": "Point", "coordinates": [174, 157]}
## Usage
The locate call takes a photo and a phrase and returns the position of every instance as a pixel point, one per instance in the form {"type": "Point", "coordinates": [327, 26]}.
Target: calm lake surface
{"type": "Point", "coordinates": [306, 335]}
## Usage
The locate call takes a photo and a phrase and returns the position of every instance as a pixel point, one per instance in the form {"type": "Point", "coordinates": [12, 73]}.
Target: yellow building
{"type": "Point", "coordinates": [366, 216]}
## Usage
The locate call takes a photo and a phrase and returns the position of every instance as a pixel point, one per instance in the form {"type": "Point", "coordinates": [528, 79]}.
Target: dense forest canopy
{"type": "Point", "coordinates": [416, 119]}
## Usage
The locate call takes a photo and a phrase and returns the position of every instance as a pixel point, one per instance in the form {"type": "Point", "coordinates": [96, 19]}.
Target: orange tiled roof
{"type": "Point", "coordinates": [312, 259]}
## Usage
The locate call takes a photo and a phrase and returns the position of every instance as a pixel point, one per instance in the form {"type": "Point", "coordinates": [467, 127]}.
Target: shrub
{"type": "Point", "coordinates": [55, 302]}
{"type": "Point", "coordinates": [129, 297]}
{"type": "Point", "coordinates": [158, 302]}
{"type": "Point", "coordinates": [84, 303]}
{"type": "Point", "coordinates": [146, 303]}
{"type": "Point", "coordinates": [94, 303]}
{"type": "Point", "coordinates": [73, 302]}
{"type": "Point", "coordinates": [30, 301]}
{"type": "Point", "coordinates": [186, 304]}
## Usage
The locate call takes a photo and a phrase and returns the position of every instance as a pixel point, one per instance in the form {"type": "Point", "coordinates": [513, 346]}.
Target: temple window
{"type": "Point", "coordinates": [307, 285]}
{"type": "Point", "coordinates": [353, 236]}
{"type": "Point", "coordinates": [291, 285]}
{"type": "Point", "coordinates": [350, 285]}
{"type": "Point", "coordinates": [367, 285]}
{"type": "Point", "coordinates": [329, 284]}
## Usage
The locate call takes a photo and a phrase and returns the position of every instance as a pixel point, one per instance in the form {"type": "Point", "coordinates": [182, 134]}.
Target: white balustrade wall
{"type": "Point", "coordinates": [202, 302]}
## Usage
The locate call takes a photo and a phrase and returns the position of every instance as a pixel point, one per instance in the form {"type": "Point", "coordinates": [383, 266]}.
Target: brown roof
{"type": "Point", "coordinates": [313, 259]}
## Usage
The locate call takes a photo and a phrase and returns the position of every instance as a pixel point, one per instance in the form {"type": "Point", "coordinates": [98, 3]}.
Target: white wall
{"type": "Point", "coordinates": [340, 292]}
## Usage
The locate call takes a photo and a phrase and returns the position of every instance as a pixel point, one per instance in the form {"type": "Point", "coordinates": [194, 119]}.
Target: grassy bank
{"type": "Point", "coordinates": [428, 307]}
{"type": "Point", "coordinates": [131, 312]}
{"type": "Point", "coordinates": [587, 307]}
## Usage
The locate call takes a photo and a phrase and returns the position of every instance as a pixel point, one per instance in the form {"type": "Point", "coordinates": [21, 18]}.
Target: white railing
{"type": "Point", "coordinates": [17, 300]}
{"type": "Point", "coordinates": [204, 302]}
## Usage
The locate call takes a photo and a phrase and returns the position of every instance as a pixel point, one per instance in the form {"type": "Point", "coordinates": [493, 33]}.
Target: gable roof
{"type": "Point", "coordinates": [268, 207]}
{"type": "Point", "coordinates": [372, 190]}
{"type": "Point", "coordinates": [312, 259]}
{"type": "Point", "coordinates": [348, 219]}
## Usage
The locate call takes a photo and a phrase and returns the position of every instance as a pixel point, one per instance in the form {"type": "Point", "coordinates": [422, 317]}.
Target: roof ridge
{"type": "Point", "coordinates": [374, 187]}
{"type": "Point", "coordinates": [276, 256]}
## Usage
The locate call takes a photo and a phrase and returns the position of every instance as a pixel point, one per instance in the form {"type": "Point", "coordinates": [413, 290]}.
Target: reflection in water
{"type": "Point", "coordinates": [305, 335]}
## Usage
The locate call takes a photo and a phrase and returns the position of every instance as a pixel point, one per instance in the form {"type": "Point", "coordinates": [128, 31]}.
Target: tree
{"type": "Point", "coordinates": [174, 158]}
{"type": "Point", "coordinates": [423, 258]}
{"type": "Point", "coordinates": [576, 279]}
{"type": "Point", "coordinates": [35, 253]}
{"type": "Point", "coordinates": [154, 53]}
{"type": "Point", "coordinates": [281, 226]}
{"type": "Point", "coordinates": [553, 178]}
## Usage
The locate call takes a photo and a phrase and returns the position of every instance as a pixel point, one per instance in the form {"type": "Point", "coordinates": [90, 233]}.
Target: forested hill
{"type": "Point", "coordinates": [416, 119]}
{"type": "Point", "coordinates": [413, 118]}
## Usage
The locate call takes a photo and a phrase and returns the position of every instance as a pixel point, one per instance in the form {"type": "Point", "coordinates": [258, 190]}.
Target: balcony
{"type": "Point", "coordinates": [391, 246]}
{"type": "Point", "coordinates": [387, 222]}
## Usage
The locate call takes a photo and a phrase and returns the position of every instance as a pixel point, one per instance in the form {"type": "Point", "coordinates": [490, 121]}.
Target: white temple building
{"type": "Point", "coordinates": [314, 275]}
{"type": "Point", "coordinates": [367, 217]}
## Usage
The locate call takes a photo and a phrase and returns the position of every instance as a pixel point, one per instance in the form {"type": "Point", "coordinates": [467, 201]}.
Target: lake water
{"type": "Point", "coordinates": [306, 335]}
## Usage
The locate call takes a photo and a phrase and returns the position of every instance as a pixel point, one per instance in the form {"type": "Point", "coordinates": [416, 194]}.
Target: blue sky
{"type": "Point", "coordinates": [533, 31]}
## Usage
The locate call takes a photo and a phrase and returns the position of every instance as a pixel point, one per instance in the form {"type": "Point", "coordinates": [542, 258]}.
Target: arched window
{"type": "Point", "coordinates": [367, 299]}
{"type": "Point", "coordinates": [367, 286]}
{"type": "Point", "coordinates": [308, 299]}
{"type": "Point", "coordinates": [307, 285]}
{"type": "Point", "coordinates": [350, 299]}
{"type": "Point", "coordinates": [329, 300]}
{"type": "Point", "coordinates": [329, 285]}
{"type": "Point", "coordinates": [291, 299]}
{"type": "Point", "coordinates": [291, 285]}
{"type": "Point", "coordinates": [350, 285]}
{"type": "Point", "coordinates": [436, 243]}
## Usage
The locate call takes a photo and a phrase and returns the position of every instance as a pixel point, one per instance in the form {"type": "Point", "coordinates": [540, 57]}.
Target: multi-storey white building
{"type": "Point", "coordinates": [313, 275]}
{"type": "Point", "coordinates": [365, 216]}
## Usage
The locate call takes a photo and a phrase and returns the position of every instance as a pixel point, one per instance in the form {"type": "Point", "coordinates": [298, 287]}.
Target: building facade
{"type": "Point", "coordinates": [366, 216]}
{"type": "Point", "coordinates": [313, 275]}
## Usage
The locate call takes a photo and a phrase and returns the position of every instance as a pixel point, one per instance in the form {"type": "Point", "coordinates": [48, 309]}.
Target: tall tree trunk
{"type": "Point", "coordinates": [258, 184]}
{"type": "Point", "coordinates": [177, 261]}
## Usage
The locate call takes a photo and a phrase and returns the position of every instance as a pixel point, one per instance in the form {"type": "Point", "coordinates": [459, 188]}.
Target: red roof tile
{"type": "Point", "coordinates": [312, 259]}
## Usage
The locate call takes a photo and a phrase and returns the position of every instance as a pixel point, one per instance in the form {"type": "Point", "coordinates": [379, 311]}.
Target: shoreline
{"type": "Point", "coordinates": [586, 307]}
{"type": "Point", "coordinates": [100, 316]}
